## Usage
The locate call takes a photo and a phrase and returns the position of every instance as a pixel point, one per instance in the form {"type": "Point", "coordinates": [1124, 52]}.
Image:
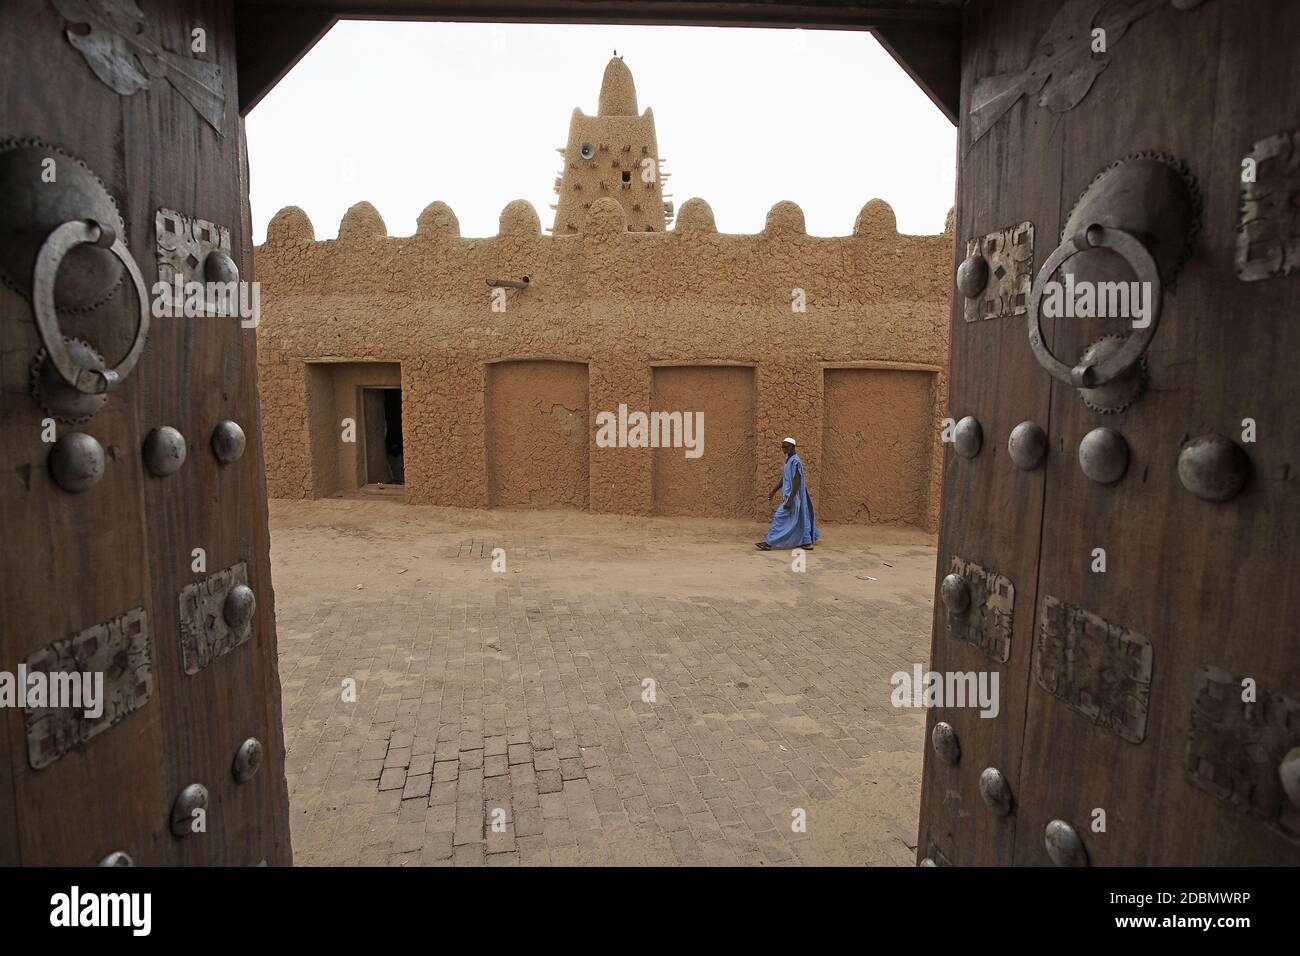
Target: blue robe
{"type": "Point", "coordinates": [795, 526]}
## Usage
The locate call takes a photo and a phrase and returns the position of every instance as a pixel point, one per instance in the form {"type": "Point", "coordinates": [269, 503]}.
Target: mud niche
{"type": "Point", "coordinates": [536, 414]}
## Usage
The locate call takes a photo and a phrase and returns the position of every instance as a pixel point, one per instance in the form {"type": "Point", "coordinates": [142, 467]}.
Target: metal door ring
{"type": "Point", "coordinates": [1141, 261]}
{"type": "Point", "coordinates": [62, 240]}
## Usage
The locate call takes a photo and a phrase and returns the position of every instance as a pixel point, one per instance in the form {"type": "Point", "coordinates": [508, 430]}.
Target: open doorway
{"type": "Point", "coordinates": [382, 411]}
{"type": "Point", "coordinates": [553, 505]}
{"type": "Point", "coordinates": [356, 428]}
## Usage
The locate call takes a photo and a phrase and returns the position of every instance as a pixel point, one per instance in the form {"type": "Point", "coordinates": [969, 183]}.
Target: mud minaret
{"type": "Point", "coordinates": [612, 154]}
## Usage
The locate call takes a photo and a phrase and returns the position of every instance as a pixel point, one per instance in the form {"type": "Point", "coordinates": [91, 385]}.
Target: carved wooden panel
{"type": "Point", "coordinates": [1236, 746]}
{"type": "Point", "coordinates": [1097, 668]}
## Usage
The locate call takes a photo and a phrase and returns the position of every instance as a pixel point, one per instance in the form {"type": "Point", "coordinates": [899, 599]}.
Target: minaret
{"type": "Point", "coordinates": [612, 154]}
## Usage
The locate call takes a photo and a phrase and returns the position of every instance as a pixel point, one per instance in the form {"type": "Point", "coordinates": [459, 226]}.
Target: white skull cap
{"type": "Point", "coordinates": [788, 441]}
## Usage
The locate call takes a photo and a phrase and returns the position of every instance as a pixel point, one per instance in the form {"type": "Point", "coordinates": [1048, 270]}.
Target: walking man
{"type": "Point", "coordinates": [793, 525]}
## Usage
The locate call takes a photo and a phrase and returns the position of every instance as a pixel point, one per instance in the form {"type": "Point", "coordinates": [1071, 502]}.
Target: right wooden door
{"type": "Point", "coordinates": [1120, 535]}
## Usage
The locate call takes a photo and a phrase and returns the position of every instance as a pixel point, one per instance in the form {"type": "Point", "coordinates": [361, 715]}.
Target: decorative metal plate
{"type": "Point", "coordinates": [119, 650]}
{"type": "Point", "coordinates": [1063, 67]}
{"type": "Point", "coordinates": [118, 49]}
{"type": "Point", "coordinates": [183, 244]}
{"type": "Point", "coordinates": [1098, 669]}
{"type": "Point", "coordinates": [1235, 748]}
{"type": "Point", "coordinates": [1010, 255]}
{"type": "Point", "coordinates": [205, 635]}
{"type": "Point", "coordinates": [986, 624]}
{"type": "Point", "coordinates": [1268, 235]}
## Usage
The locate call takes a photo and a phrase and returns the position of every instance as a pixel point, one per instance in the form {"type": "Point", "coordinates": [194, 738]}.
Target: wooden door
{"type": "Point", "coordinates": [121, 558]}
{"type": "Point", "coordinates": [1140, 611]}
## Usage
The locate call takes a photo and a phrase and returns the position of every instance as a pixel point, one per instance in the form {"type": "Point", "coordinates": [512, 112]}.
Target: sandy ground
{"type": "Point", "coordinates": [865, 597]}
{"type": "Point", "coordinates": [322, 549]}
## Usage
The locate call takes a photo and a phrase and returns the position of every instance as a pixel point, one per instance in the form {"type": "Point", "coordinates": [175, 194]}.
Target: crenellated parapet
{"type": "Point", "coordinates": [875, 221]}
{"type": "Point", "coordinates": [437, 221]}
{"type": "Point", "coordinates": [290, 224]}
{"type": "Point", "coordinates": [874, 263]}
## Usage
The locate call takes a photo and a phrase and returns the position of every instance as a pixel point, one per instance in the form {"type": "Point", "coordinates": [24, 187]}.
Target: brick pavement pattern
{"type": "Point", "coordinates": [522, 727]}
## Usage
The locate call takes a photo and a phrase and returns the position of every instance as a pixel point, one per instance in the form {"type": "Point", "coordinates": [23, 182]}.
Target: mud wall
{"type": "Point", "coordinates": [784, 304]}
{"type": "Point", "coordinates": [878, 445]}
{"type": "Point", "coordinates": [536, 434]}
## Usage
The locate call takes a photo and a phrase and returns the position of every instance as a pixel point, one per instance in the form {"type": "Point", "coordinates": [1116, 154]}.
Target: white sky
{"type": "Point", "coordinates": [401, 114]}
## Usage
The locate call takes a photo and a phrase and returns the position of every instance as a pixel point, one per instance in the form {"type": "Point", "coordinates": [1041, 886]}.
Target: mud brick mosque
{"type": "Point", "coordinates": [456, 392]}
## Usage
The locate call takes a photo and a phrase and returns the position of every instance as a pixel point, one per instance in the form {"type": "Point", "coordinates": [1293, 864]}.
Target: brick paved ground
{"type": "Point", "coordinates": [521, 702]}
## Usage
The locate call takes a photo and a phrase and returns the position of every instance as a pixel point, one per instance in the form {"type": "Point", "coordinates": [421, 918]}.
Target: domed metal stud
{"type": "Point", "coordinates": [995, 791]}
{"type": "Point", "coordinates": [1289, 771]}
{"type": "Point", "coordinates": [239, 606]}
{"type": "Point", "coordinates": [219, 267]}
{"type": "Point", "coordinates": [1213, 467]}
{"type": "Point", "coordinates": [76, 462]}
{"type": "Point", "coordinates": [945, 742]}
{"type": "Point", "coordinates": [968, 437]}
{"type": "Point", "coordinates": [1027, 446]}
{"type": "Point", "coordinates": [56, 396]}
{"type": "Point", "coordinates": [1063, 844]}
{"type": "Point", "coordinates": [164, 450]}
{"type": "Point", "coordinates": [248, 760]}
{"type": "Point", "coordinates": [117, 858]}
{"type": "Point", "coordinates": [1103, 455]}
{"type": "Point", "coordinates": [192, 798]}
{"type": "Point", "coordinates": [228, 441]}
{"type": "Point", "coordinates": [1120, 392]}
{"type": "Point", "coordinates": [972, 275]}
{"type": "Point", "coordinates": [955, 593]}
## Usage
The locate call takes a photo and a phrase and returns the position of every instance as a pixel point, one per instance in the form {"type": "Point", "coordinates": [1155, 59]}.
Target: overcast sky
{"type": "Point", "coordinates": [401, 114]}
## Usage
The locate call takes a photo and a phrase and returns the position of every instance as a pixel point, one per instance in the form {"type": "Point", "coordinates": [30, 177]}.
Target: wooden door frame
{"type": "Point", "coordinates": [923, 36]}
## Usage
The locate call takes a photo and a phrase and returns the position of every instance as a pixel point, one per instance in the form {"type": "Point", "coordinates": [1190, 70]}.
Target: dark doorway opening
{"type": "Point", "coordinates": [383, 434]}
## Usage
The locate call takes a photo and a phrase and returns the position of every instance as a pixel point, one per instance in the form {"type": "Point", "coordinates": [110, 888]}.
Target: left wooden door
{"type": "Point", "coordinates": [136, 588]}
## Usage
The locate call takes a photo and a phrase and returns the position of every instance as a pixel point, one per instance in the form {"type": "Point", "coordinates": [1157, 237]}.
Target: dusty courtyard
{"type": "Point", "coordinates": [626, 691]}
